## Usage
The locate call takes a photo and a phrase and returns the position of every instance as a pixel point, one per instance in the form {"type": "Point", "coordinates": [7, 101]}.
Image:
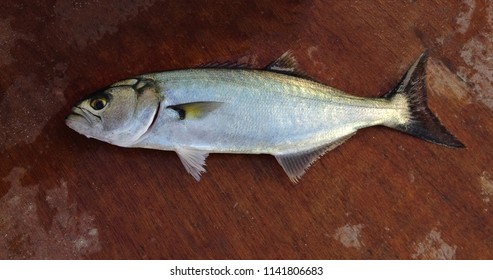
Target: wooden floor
{"type": "Point", "coordinates": [381, 195]}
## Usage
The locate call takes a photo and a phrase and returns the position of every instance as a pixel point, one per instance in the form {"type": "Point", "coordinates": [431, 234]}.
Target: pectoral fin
{"type": "Point", "coordinates": [193, 161]}
{"type": "Point", "coordinates": [195, 110]}
{"type": "Point", "coordinates": [295, 164]}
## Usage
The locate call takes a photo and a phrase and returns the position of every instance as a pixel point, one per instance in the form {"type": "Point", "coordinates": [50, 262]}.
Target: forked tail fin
{"type": "Point", "coordinates": [421, 122]}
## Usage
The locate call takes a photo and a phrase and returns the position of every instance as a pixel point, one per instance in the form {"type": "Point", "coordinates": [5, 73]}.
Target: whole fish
{"type": "Point", "coordinates": [277, 110]}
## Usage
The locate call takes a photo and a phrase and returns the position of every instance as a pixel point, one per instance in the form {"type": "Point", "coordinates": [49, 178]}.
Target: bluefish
{"type": "Point", "coordinates": [277, 110]}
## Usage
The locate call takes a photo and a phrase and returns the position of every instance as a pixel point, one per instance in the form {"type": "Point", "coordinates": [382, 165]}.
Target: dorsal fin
{"type": "Point", "coordinates": [286, 64]}
{"type": "Point", "coordinates": [226, 64]}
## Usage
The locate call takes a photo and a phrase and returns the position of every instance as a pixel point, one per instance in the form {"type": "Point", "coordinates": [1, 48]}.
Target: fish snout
{"type": "Point", "coordinates": [77, 118]}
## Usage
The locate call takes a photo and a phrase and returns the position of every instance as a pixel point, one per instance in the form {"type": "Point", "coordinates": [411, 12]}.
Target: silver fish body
{"type": "Point", "coordinates": [273, 111]}
{"type": "Point", "coordinates": [259, 112]}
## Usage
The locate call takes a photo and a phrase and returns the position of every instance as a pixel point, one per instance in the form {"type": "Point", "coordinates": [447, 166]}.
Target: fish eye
{"type": "Point", "coordinates": [98, 103]}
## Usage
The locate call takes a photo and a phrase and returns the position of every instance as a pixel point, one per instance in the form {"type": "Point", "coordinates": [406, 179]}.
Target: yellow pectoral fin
{"type": "Point", "coordinates": [195, 110]}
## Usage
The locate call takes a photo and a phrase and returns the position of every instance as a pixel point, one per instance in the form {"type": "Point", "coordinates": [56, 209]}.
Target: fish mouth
{"type": "Point", "coordinates": [76, 113]}
{"type": "Point", "coordinates": [79, 114]}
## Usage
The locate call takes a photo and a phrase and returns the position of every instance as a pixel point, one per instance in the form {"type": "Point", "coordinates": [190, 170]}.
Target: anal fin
{"type": "Point", "coordinates": [296, 164]}
{"type": "Point", "coordinates": [193, 161]}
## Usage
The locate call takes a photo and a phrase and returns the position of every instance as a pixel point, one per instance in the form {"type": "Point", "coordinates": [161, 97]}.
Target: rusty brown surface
{"type": "Point", "coordinates": [381, 195]}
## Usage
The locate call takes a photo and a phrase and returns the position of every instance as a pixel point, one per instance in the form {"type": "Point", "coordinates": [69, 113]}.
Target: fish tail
{"type": "Point", "coordinates": [418, 120]}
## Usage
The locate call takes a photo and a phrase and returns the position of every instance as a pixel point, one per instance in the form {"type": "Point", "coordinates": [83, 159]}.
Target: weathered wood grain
{"type": "Point", "coordinates": [381, 195]}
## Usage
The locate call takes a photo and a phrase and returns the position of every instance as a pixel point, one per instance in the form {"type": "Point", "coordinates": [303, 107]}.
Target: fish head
{"type": "Point", "coordinates": [118, 114]}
